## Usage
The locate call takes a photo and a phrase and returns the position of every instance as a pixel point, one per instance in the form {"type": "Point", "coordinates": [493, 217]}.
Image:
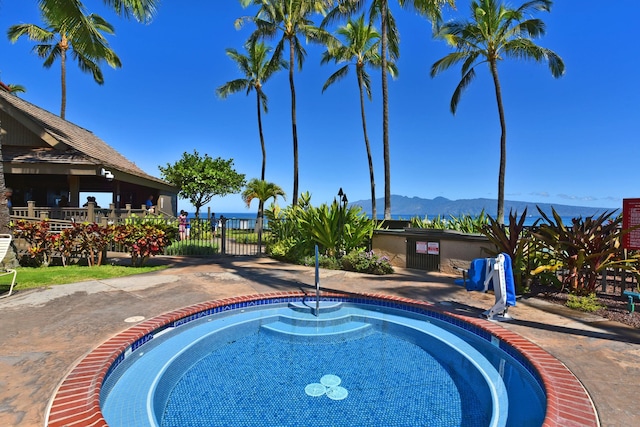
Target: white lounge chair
{"type": "Point", "coordinates": [5, 244]}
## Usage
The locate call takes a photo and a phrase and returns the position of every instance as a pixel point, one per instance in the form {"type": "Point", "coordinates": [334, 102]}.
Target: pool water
{"type": "Point", "coordinates": [390, 382]}
{"type": "Point", "coordinates": [354, 364]}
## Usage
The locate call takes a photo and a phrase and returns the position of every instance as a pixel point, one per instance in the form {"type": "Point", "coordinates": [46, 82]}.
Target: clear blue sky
{"type": "Point", "coordinates": [572, 140]}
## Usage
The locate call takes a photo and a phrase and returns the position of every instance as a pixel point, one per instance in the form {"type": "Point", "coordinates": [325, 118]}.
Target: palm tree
{"type": "Point", "coordinates": [55, 40]}
{"type": "Point", "coordinates": [257, 69]}
{"type": "Point", "coordinates": [430, 9]}
{"type": "Point", "coordinates": [291, 19]}
{"type": "Point", "coordinates": [389, 50]}
{"type": "Point", "coordinates": [263, 191]}
{"type": "Point", "coordinates": [494, 33]}
{"type": "Point", "coordinates": [71, 14]}
{"type": "Point", "coordinates": [361, 50]}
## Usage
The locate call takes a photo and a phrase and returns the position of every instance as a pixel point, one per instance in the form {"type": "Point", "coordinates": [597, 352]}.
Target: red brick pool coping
{"type": "Point", "coordinates": [77, 400]}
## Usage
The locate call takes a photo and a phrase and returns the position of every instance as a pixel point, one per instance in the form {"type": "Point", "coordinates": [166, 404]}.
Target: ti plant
{"type": "Point", "coordinates": [512, 240]}
{"type": "Point", "coordinates": [584, 249]}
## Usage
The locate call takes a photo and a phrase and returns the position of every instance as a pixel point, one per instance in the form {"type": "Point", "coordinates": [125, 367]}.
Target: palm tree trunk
{"type": "Point", "coordinates": [63, 82]}
{"type": "Point", "coordinates": [264, 151]}
{"type": "Point", "coordinates": [294, 125]}
{"type": "Point", "coordinates": [366, 143]}
{"type": "Point", "coordinates": [503, 142]}
{"type": "Point", "coordinates": [10, 260]}
{"type": "Point", "coordinates": [4, 207]}
{"type": "Point", "coordinates": [259, 224]}
{"type": "Point", "coordinates": [384, 6]}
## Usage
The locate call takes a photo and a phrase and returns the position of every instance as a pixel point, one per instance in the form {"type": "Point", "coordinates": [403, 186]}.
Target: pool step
{"type": "Point", "coordinates": [325, 320]}
{"type": "Point", "coordinates": [305, 330]}
{"type": "Point", "coordinates": [309, 306]}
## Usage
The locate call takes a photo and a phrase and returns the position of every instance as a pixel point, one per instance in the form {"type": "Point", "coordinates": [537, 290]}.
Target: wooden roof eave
{"type": "Point", "coordinates": [32, 125]}
{"type": "Point", "coordinates": [146, 182]}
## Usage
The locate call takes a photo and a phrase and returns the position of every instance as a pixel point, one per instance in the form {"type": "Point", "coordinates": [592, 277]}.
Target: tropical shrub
{"type": "Point", "coordinates": [80, 240]}
{"type": "Point", "coordinates": [65, 243]}
{"type": "Point", "coordinates": [366, 262]}
{"type": "Point", "coordinates": [144, 240]}
{"type": "Point", "coordinates": [513, 240]}
{"type": "Point", "coordinates": [588, 303]}
{"type": "Point", "coordinates": [192, 247]}
{"type": "Point", "coordinates": [583, 250]}
{"type": "Point", "coordinates": [336, 229]}
{"type": "Point", "coordinates": [91, 241]}
{"type": "Point", "coordinates": [324, 261]}
{"type": "Point", "coordinates": [36, 234]}
{"type": "Point", "coordinates": [464, 223]}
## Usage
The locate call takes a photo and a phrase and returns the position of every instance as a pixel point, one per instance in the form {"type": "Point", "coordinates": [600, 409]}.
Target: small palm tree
{"type": "Point", "coordinates": [263, 191]}
{"type": "Point", "coordinates": [290, 19]}
{"type": "Point", "coordinates": [56, 39]}
{"type": "Point", "coordinates": [257, 69]}
{"type": "Point", "coordinates": [494, 33]}
{"type": "Point", "coordinates": [15, 89]}
{"type": "Point", "coordinates": [361, 50]}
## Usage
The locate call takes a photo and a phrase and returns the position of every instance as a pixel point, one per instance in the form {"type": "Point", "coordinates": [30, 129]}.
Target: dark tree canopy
{"type": "Point", "coordinates": [199, 179]}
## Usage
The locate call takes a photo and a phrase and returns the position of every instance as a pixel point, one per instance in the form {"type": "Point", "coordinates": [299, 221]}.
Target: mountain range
{"type": "Point", "coordinates": [407, 207]}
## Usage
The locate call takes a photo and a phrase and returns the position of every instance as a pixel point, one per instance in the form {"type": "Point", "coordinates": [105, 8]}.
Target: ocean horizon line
{"type": "Point", "coordinates": [530, 220]}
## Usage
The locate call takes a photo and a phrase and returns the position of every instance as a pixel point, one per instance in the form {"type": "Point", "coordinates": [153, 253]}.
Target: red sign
{"type": "Point", "coordinates": [421, 247]}
{"type": "Point", "coordinates": [433, 248]}
{"type": "Point", "coordinates": [631, 218]}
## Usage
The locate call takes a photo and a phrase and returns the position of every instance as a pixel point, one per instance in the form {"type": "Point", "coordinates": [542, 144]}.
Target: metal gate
{"type": "Point", "coordinates": [238, 237]}
{"type": "Point", "coordinates": [226, 236]}
{"type": "Point", "coordinates": [423, 253]}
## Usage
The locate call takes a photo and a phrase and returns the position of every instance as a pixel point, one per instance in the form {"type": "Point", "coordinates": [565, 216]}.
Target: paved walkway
{"type": "Point", "coordinates": [45, 332]}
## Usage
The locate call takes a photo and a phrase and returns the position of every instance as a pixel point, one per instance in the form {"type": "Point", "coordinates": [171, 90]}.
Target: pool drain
{"type": "Point", "coordinates": [315, 389]}
{"type": "Point", "coordinates": [337, 393]}
{"type": "Point", "coordinates": [329, 385]}
{"type": "Point", "coordinates": [330, 380]}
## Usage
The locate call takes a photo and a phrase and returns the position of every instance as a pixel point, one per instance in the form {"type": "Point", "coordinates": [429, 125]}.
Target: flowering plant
{"type": "Point", "coordinates": [366, 262]}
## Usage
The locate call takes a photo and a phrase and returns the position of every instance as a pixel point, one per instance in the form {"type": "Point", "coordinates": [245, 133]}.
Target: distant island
{"type": "Point", "coordinates": [408, 207]}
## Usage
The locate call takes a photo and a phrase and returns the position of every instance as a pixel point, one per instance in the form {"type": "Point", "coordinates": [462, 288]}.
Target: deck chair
{"type": "Point", "coordinates": [5, 244]}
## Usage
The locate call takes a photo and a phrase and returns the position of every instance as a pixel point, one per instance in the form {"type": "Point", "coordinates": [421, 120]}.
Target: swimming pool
{"type": "Point", "coordinates": [504, 380]}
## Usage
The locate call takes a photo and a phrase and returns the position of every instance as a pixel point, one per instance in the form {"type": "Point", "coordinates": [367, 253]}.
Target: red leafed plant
{"type": "Point", "coordinates": [143, 240]}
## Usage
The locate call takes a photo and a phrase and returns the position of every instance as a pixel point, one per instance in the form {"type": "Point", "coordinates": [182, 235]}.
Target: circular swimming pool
{"type": "Point", "coordinates": [362, 360]}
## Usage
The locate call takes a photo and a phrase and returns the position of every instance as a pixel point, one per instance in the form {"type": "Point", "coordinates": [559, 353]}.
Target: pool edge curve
{"type": "Point", "coordinates": [76, 401]}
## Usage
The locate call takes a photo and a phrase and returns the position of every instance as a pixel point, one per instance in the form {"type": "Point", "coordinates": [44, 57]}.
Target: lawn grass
{"type": "Point", "coordinates": [37, 277]}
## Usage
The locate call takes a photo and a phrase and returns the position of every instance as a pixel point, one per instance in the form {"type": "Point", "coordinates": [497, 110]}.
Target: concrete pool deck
{"type": "Point", "coordinates": [45, 332]}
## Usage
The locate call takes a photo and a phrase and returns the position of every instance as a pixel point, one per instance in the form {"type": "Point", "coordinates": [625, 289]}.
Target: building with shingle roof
{"type": "Point", "coordinates": [47, 159]}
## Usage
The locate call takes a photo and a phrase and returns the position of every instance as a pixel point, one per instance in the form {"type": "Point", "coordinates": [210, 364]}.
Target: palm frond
{"type": "Point", "coordinates": [337, 76]}
{"type": "Point", "coordinates": [232, 87]}
{"type": "Point", "coordinates": [32, 31]}
{"type": "Point", "coordinates": [457, 94]}
{"type": "Point", "coordinates": [447, 62]}
{"type": "Point", "coordinates": [141, 10]}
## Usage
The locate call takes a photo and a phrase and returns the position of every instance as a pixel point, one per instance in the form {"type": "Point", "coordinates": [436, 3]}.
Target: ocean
{"type": "Point", "coordinates": [236, 215]}
{"type": "Point", "coordinates": [531, 219]}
